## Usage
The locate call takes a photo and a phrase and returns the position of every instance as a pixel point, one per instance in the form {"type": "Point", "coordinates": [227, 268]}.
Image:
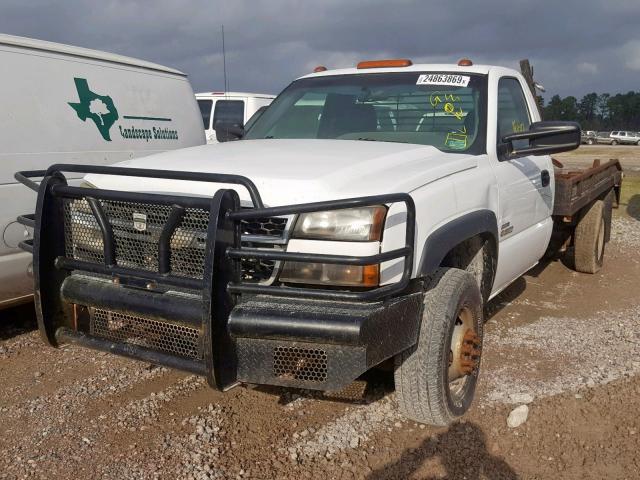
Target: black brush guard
{"type": "Point", "coordinates": [250, 332]}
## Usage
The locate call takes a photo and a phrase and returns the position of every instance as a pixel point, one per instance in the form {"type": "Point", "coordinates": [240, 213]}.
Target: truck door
{"type": "Point", "coordinates": [524, 188]}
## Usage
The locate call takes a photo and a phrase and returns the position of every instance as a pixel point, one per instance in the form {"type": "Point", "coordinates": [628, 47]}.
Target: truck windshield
{"type": "Point", "coordinates": [445, 110]}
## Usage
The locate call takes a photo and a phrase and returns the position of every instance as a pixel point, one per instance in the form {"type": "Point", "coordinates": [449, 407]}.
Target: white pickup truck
{"type": "Point", "coordinates": [367, 216]}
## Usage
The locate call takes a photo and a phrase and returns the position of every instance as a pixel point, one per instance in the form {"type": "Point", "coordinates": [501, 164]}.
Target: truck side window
{"type": "Point", "coordinates": [229, 112]}
{"type": "Point", "coordinates": [205, 111]}
{"type": "Point", "coordinates": [513, 113]}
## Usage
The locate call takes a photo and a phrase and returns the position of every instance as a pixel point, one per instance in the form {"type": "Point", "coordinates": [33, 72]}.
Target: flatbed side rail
{"type": "Point", "coordinates": [575, 189]}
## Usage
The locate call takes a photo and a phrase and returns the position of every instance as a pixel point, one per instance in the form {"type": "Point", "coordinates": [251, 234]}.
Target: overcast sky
{"type": "Point", "coordinates": [576, 46]}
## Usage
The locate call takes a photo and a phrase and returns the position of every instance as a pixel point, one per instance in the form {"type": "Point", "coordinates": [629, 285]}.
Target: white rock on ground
{"type": "Point", "coordinates": [518, 416]}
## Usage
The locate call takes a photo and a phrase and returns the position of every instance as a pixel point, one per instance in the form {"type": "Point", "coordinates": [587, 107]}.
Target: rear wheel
{"type": "Point", "coordinates": [436, 379]}
{"type": "Point", "coordinates": [590, 141]}
{"type": "Point", "coordinates": [638, 142]}
{"type": "Point", "coordinates": [589, 239]}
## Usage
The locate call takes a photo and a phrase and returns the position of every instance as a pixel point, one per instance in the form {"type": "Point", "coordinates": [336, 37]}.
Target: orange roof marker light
{"type": "Point", "coordinates": [398, 62]}
{"type": "Point", "coordinates": [465, 62]}
{"type": "Point", "coordinates": [320, 68]}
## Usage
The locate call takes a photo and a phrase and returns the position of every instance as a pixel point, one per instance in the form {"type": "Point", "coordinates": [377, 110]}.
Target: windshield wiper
{"type": "Point", "coordinates": [366, 139]}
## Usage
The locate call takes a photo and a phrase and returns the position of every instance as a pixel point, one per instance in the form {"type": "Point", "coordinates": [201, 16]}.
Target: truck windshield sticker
{"type": "Point", "coordinates": [102, 111]}
{"type": "Point", "coordinates": [443, 79]}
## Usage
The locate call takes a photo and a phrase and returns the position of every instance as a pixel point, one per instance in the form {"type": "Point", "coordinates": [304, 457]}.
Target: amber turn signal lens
{"type": "Point", "coordinates": [398, 62]}
{"type": "Point", "coordinates": [465, 62]}
{"type": "Point", "coordinates": [320, 68]}
{"type": "Point", "coordinates": [371, 275]}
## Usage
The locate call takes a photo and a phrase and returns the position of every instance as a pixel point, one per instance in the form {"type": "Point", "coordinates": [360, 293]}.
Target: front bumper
{"type": "Point", "coordinates": [212, 324]}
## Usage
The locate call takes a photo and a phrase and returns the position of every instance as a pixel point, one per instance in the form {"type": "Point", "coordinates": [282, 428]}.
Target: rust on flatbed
{"type": "Point", "coordinates": [575, 189]}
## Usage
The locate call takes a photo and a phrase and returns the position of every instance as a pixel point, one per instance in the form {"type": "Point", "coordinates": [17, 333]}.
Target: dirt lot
{"type": "Point", "coordinates": [629, 156]}
{"type": "Point", "coordinates": [564, 343]}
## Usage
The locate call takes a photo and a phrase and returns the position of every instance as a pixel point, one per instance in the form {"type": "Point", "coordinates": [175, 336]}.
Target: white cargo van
{"type": "Point", "coordinates": [64, 104]}
{"type": "Point", "coordinates": [234, 108]}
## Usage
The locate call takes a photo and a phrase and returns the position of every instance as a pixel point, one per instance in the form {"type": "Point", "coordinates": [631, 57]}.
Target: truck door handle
{"type": "Point", "coordinates": [546, 178]}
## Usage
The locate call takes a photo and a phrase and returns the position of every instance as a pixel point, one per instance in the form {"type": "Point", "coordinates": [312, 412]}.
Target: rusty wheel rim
{"type": "Point", "coordinates": [465, 351]}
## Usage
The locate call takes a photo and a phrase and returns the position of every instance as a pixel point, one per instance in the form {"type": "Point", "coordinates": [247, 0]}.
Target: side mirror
{"type": "Point", "coordinates": [226, 132]}
{"type": "Point", "coordinates": [543, 138]}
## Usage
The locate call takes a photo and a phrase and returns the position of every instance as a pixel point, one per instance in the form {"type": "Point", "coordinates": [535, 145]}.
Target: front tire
{"type": "Point", "coordinates": [436, 379]}
{"type": "Point", "coordinates": [590, 142]}
{"type": "Point", "coordinates": [615, 142]}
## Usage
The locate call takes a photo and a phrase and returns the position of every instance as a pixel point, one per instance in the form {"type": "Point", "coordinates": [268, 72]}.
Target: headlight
{"type": "Point", "coordinates": [363, 224]}
{"type": "Point", "coordinates": [349, 224]}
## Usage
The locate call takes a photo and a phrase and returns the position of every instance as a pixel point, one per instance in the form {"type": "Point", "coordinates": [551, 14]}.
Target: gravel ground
{"type": "Point", "coordinates": [564, 355]}
{"type": "Point", "coordinates": [563, 343]}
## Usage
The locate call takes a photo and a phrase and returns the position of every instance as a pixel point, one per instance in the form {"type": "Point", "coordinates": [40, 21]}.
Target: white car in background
{"type": "Point", "coordinates": [625, 138]}
{"type": "Point", "coordinates": [231, 108]}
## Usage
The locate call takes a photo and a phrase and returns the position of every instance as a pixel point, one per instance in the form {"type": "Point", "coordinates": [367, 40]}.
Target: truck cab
{"type": "Point", "coordinates": [234, 108]}
{"type": "Point", "coordinates": [366, 216]}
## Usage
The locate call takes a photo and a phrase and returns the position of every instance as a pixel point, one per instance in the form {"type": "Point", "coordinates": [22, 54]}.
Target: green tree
{"type": "Point", "coordinates": [587, 110]}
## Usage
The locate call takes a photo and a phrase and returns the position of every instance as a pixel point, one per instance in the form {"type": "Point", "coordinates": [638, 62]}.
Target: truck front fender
{"type": "Point", "coordinates": [446, 237]}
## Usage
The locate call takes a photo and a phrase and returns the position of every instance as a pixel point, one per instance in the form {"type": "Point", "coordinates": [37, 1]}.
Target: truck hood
{"type": "Point", "coordinates": [297, 171]}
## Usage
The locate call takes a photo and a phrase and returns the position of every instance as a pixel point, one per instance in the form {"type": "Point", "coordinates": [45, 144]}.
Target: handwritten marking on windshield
{"type": "Point", "coordinates": [457, 140]}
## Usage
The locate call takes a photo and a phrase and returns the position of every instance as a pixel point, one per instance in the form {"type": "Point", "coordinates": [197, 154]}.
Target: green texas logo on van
{"type": "Point", "coordinates": [102, 111]}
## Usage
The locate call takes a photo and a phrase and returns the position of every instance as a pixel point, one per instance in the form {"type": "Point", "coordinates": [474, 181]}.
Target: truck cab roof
{"type": "Point", "coordinates": [419, 67]}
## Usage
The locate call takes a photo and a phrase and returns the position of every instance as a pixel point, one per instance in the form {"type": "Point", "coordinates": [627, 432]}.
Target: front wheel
{"type": "Point", "coordinates": [615, 142]}
{"type": "Point", "coordinates": [590, 141]}
{"type": "Point", "coordinates": [436, 379]}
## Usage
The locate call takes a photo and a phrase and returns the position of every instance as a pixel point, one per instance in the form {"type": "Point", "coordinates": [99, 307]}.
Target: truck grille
{"type": "Point", "coordinates": [137, 228]}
